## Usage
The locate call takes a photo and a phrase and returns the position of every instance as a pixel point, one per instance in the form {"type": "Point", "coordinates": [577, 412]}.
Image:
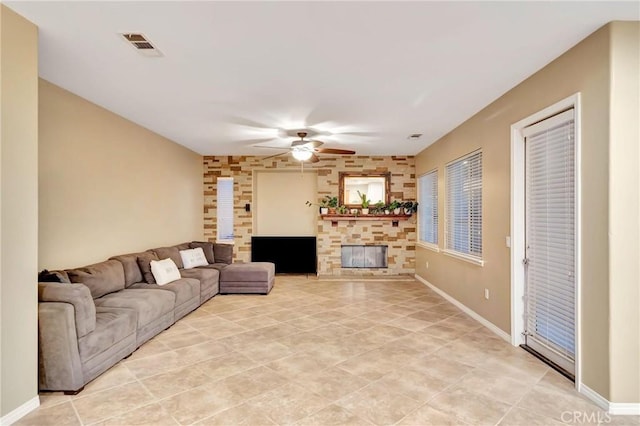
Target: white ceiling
{"type": "Point", "coordinates": [362, 75]}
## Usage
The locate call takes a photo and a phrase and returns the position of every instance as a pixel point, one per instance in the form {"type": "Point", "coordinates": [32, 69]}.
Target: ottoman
{"type": "Point", "coordinates": [251, 277]}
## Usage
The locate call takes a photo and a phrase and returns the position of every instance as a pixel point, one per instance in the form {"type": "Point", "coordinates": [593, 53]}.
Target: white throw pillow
{"type": "Point", "coordinates": [164, 271]}
{"type": "Point", "coordinates": [193, 257]}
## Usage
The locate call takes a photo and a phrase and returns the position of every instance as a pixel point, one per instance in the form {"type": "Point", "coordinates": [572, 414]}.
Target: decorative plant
{"type": "Point", "coordinates": [332, 202]}
{"type": "Point", "coordinates": [395, 205]}
{"type": "Point", "coordinates": [380, 207]}
{"type": "Point", "coordinates": [410, 207]}
{"type": "Point", "coordinates": [343, 209]}
{"type": "Point", "coordinates": [364, 200]}
{"type": "Point", "coordinates": [327, 204]}
{"type": "Point", "coordinates": [322, 204]}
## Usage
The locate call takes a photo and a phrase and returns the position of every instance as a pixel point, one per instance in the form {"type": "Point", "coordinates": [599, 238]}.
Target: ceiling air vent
{"type": "Point", "coordinates": [141, 44]}
{"type": "Point", "coordinates": [414, 136]}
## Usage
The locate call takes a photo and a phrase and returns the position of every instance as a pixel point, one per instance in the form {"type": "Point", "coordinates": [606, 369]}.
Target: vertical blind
{"type": "Point", "coordinates": [463, 228]}
{"type": "Point", "coordinates": [550, 234]}
{"type": "Point", "coordinates": [428, 207]}
{"type": "Point", "coordinates": [224, 209]}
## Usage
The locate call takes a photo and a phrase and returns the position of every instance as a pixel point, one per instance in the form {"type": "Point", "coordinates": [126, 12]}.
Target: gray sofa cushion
{"type": "Point", "coordinates": [223, 253]}
{"type": "Point", "coordinates": [132, 272]}
{"type": "Point", "coordinates": [149, 304]}
{"type": "Point", "coordinates": [248, 272]}
{"type": "Point", "coordinates": [184, 288]}
{"type": "Point", "coordinates": [183, 246]}
{"type": "Point", "coordinates": [169, 252]}
{"type": "Point", "coordinates": [209, 279]}
{"type": "Point", "coordinates": [207, 248]}
{"type": "Point", "coordinates": [112, 326]}
{"type": "Point", "coordinates": [218, 266]}
{"type": "Point", "coordinates": [144, 262]}
{"type": "Point", "coordinates": [101, 278]}
{"type": "Point", "coordinates": [77, 295]}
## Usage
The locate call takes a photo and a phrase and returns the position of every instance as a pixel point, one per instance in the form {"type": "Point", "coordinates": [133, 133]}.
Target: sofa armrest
{"type": "Point", "coordinates": [59, 358]}
{"type": "Point", "coordinates": [77, 295]}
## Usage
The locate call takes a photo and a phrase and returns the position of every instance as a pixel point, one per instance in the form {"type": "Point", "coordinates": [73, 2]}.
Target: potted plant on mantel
{"type": "Point", "coordinates": [324, 209]}
{"type": "Point", "coordinates": [380, 207]}
{"type": "Point", "coordinates": [332, 203]}
{"type": "Point", "coordinates": [327, 204]}
{"type": "Point", "coordinates": [365, 202]}
{"type": "Point", "coordinates": [395, 207]}
{"type": "Point", "coordinates": [410, 207]}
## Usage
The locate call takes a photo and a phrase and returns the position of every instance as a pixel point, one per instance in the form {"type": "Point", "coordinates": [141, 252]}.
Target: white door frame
{"type": "Point", "coordinates": [518, 223]}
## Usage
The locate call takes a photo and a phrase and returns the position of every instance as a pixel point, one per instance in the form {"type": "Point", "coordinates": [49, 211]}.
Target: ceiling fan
{"type": "Point", "coordinates": [306, 150]}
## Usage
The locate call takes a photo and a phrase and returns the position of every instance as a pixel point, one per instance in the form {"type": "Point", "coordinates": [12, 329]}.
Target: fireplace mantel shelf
{"type": "Point", "coordinates": [393, 218]}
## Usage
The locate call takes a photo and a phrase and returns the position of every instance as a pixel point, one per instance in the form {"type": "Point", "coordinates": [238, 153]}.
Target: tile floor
{"type": "Point", "coordinates": [326, 353]}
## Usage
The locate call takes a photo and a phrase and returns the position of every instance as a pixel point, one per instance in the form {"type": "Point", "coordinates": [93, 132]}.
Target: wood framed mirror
{"type": "Point", "coordinates": [375, 185]}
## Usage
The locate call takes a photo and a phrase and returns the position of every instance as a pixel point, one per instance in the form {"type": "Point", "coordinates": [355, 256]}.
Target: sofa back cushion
{"type": "Point", "coordinates": [144, 262]}
{"type": "Point", "coordinates": [207, 248]}
{"type": "Point", "coordinates": [183, 246]}
{"type": "Point", "coordinates": [223, 253]}
{"type": "Point", "coordinates": [101, 278]}
{"type": "Point", "coordinates": [132, 272]}
{"type": "Point", "coordinates": [169, 252]}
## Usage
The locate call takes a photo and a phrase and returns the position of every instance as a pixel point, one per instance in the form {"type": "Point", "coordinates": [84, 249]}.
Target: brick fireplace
{"type": "Point", "coordinates": [400, 240]}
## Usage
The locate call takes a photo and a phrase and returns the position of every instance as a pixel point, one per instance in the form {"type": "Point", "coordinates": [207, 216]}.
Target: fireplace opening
{"type": "Point", "coordinates": [361, 256]}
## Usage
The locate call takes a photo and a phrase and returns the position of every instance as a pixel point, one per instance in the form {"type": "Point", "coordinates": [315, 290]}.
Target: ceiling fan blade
{"type": "Point", "coordinates": [312, 144]}
{"type": "Point", "coordinates": [276, 155]}
{"type": "Point", "coordinates": [314, 158]}
{"type": "Point", "coordinates": [256, 141]}
{"type": "Point", "coordinates": [270, 147]}
{"type": "Point", "coordinates": [334, 151]}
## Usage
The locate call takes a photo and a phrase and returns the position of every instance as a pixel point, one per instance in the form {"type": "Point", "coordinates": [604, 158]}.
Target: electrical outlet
{"type": "Point", "coordinates": [486, 293]}
{"type": "Point", "coordinates": [426, 265]}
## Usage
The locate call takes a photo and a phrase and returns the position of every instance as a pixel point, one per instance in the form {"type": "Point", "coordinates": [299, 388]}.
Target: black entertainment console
{"type": "Point", "coordinates": [294, 255]}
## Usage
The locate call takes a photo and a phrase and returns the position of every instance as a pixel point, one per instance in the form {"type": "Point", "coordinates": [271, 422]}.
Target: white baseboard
{"type": "Point", "coordinates": [624, 409]}
{"type": "Point", "coordinates": [614, 408]}
{"type": "Point", "coordinates": [594, 396]}
{"type": "Point", "coordinates": [20, 412]}
{"type": "Point", "coordinates": [491, 326]}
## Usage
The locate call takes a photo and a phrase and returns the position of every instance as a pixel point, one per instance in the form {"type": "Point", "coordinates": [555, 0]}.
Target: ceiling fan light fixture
{"type": "Point", "coordinates": [301, 154]}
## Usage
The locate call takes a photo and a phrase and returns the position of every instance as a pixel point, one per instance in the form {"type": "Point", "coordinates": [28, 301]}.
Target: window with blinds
{"type": "Point", "coordinates": [224, 210]}
{"type": "Point", "coordinates": [428, 208]}
{"type": "Point", "coordinates": [463, 226]}
{"type": "Point", "coordinates": [550, 238]}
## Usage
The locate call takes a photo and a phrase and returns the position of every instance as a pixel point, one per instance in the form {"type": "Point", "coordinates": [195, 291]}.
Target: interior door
{"type": "Point", "coordinates": [550, 239]}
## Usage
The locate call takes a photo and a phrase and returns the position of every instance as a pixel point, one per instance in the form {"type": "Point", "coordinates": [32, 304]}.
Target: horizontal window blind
{"type": "Point", "coordinates": [428, 207]}
{"type": "Point", "coordinates": [550, 234]}
{"type": "Point", "coordinates": [463, 227]}
{"type": "Point", "coordinates": [224, 209]}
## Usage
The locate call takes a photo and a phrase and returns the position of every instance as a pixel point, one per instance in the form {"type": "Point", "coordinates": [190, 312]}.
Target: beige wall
{"type": "Point", "coordinates": [400, 239]}
{"type": "Point", "coordinates": [279, 208]}
{"type": "Point", "coordinates": [624, 212]}
{"type": "Point", "coordinates": [18, 210]}
{"type": "Point", "coordinates": [585, 69]}
{"type": "Point", "coordinates": [109, 186]}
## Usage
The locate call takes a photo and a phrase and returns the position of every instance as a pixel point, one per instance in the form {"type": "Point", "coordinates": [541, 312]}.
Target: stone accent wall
{"type": "Point", "coordinates": [401, 239]}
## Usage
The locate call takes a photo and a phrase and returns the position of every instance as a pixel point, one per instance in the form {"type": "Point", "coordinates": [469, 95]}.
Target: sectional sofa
{"type": "Point", "coordinates": [96, 315]}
